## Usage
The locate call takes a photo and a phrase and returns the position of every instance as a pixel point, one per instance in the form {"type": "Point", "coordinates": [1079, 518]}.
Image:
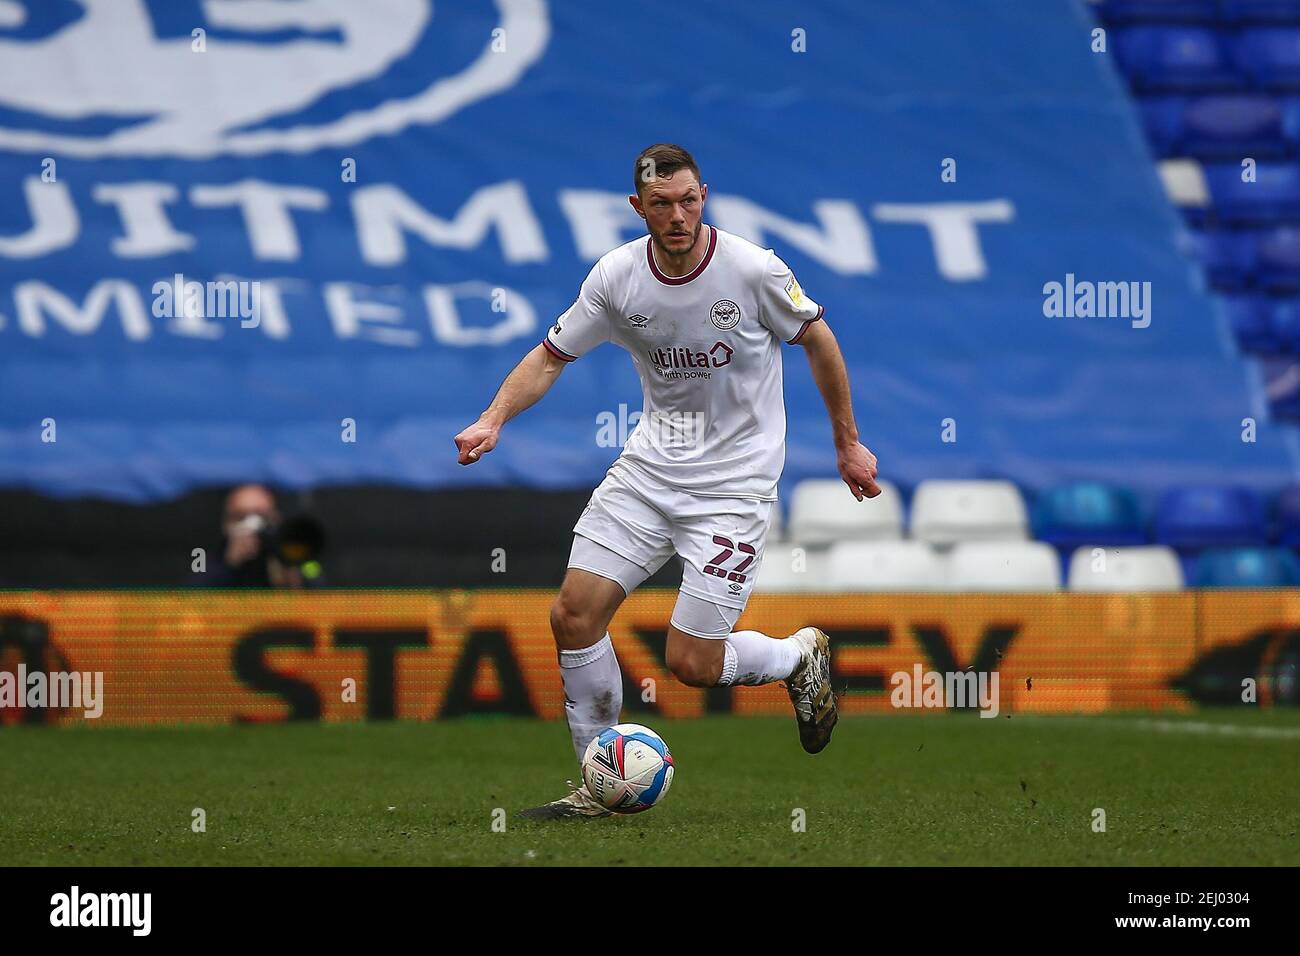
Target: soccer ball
{"type": "Point", "coordinates": [628, 768]}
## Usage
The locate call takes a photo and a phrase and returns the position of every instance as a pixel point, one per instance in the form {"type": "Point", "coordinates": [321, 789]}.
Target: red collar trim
{"type": "Point", "coordinates": [681, 280]}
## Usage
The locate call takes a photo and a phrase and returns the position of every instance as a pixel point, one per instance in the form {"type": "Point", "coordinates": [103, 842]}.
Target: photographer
{"type": "Point", "coordinates": [262, 550]}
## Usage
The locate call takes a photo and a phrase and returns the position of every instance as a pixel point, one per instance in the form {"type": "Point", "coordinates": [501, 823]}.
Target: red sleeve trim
{"type": "Point", "coordinates": [559, 353]}
{"type": "Point", "coordinates": [804, 328]}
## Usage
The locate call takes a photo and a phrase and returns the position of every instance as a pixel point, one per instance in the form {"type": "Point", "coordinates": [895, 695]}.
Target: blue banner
{"type": "Point", "coordinates": [303, 242]}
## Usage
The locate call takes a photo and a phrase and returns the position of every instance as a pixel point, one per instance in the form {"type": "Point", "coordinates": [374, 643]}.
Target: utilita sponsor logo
{"type": "Point", "coordinates": [75, 908]}
{"type": "Point", "coordinates": [676, 357]}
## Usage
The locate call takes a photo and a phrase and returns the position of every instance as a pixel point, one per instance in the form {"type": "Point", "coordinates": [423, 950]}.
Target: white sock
{"type": "Point", "coordinates": [750, 657]}
{"type": "Point", "coordinates": [593, 691]}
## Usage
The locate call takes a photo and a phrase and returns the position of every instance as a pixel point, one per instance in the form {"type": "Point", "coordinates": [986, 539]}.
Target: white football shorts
{"type": "Point", "coordinates": [633, 524]}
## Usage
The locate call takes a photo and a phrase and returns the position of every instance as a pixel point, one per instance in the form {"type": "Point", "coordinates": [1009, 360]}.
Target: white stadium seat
{"type": "Point", "coordinates": [1004, 566]}
{"type": "Point", "coordinates": [945, 512]}
{"type": "Point", "coordinates": [778, 570]}
{"type": "Point", "coordinates": [886, 566]}
{"type": "Point", "coordinates": [1154, 568]}
{"type": "Point", "coordinates": [824, 510]}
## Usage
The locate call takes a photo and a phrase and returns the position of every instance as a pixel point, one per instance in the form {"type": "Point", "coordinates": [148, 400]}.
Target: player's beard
{"type": "Point", "coordinates": [695, 237]}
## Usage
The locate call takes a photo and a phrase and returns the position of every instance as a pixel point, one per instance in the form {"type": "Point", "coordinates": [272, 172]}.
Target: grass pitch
{"type": "Point", "coordinates": [1213, 789]}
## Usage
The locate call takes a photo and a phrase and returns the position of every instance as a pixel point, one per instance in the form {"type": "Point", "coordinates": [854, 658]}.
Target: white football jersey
{"type": "Point", "coordinates": [706, 346]}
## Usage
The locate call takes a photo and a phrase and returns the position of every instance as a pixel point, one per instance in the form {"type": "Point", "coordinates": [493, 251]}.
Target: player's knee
{"type": "Point", "coordinates": [692, 669]}
{"type": "Point", "coordinates": [570, 623]}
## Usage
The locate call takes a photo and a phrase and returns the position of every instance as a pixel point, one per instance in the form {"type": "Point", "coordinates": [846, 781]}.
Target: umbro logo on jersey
{"type": "Point", "coordinates": [638, 321]}
{"type": "Point", "coordinates": [724, 314]}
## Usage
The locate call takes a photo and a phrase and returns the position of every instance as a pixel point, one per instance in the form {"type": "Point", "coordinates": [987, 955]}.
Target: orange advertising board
{"type": "Point", "coordinates": [221, 657]}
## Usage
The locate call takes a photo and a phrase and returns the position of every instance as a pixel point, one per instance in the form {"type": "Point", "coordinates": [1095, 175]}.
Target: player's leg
{"type": "Point", "coordinates": [597, 582]}
{"type": "Point", "coordinates": [619, 541]}
{"type": "Point", "coordinates": [704, 651]}
{"type": "Point", "coordinates": [721, 554]}
{"type": "Point", "coordinates": [725, 657]}
{"type": "Point", "coordinates": [591, 593]}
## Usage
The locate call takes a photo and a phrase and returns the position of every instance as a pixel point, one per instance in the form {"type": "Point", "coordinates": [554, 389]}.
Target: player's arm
{"type": "Point", "coordinates": [580, 329]}
{"type": "Point", "coordinates": [521, 390]}
{"type": "Point", "coordinates": [856, 463]}
{"type": "Point", "coordinates": [797, 320]}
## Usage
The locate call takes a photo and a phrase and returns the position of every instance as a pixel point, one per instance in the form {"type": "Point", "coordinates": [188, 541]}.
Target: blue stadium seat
{"type": "Point", "coordinates": [1158, 11]}
{"type": "Point", "coordinates": [1269, 56]}
{"type": "Point", "coordinates": [1260, 11]}
{"type": "Point", "coordinates": [1284, 318]}
{"type": "Point", "coordinates": [1209, 516]}
{"type": "Point", "coordinates": [1252, 324]}
{"type": "Point", "coordinates": [1277, 253]}
{"type": "Point", "coordinates": [1175, 58]}
{"type": "Point", "coordinates": [1273, 197]}
{"type": "Point", "coordinates": [1228, 257]}
{"type": "Point", "coordinates": [1247, 568]}
{"type": "Point", "coordinates": [1234, 125]}
{"type": "Point", "coordinates": [1223, 126]}
{"type": "Point", "coordinates": [1286, 511]}
{"type": "Point", "coordinates": [1086, 513]}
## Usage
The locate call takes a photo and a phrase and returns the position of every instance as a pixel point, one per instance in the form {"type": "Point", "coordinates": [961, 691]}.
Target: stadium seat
{"type": "Point", "coordinates": [1175, 58]}
{"type": "Point", "coordinates": [1157, 11]}
{"type": "Point", "coordinates": [1252, 324]}
{"type": "Point", "coordinates": [1004, 566]}
{"type": "Point", "coordinates": [1284, 326]}
{"type": "Point", "coordinates": [1228, 257]}
{"type": "Point", "coordinates": [1269, 56]}
{"type": "Point", "coordinates": [1260, 11]}
{"type": "Point", "coordinates": [1247, 568]}
{"type": "Point", "coordinates": [1286, 510]}
{"type": "Point", "coordinates": [823, 510]}
{"type": "Point", "coordinates": [781, 569]}
{"type": "Point", "coordinates": [1185, 185]}
{"type": "Point", "coordinates": [1219, 127]}
{"type": "Point", "coordinates": [1233, 126]}
{"type": "Point", "coordinates": [1154, 568]}
{"type": "Point", "coordinates": [945, 512]}
{"type": "Point", "coordinates": [1274, 196]}
{"type": "Point", "coordinates": [1277, 253]}
{"type": "Point", "coordinates": [886, 566]}
{"type": "Point", "coordinates": [1208, 516]}
{"type": "Point", "coordinates": [1087, 512]}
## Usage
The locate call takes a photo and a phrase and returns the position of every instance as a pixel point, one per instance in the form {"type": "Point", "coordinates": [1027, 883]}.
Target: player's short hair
{"type": "Point", "coordinates": [659, 162]}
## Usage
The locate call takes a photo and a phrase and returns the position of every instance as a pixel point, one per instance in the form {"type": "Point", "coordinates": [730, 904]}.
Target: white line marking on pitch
{"type": "Point", "coordinates": [1181, 727]}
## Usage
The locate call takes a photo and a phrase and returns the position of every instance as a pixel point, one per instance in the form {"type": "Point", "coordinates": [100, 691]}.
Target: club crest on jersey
{"type": "Point", "coordinates": [638, 320]}
{"type": "Point", "coordinates": [724, 314]}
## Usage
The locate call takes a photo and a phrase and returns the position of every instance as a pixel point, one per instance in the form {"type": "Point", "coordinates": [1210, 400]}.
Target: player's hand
{"type": "Point", "coordinates": [858, 469]}
{"type": "Point", "coordinates": [476, 441]}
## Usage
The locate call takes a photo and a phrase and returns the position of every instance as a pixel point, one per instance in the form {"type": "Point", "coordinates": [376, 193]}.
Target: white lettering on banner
{"type": "Point", "coordinates": [384, 214]}
{"type": "Point", "coordinates": [500, 216]}
{"type": "Point", "coordinates": [841, 244]}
